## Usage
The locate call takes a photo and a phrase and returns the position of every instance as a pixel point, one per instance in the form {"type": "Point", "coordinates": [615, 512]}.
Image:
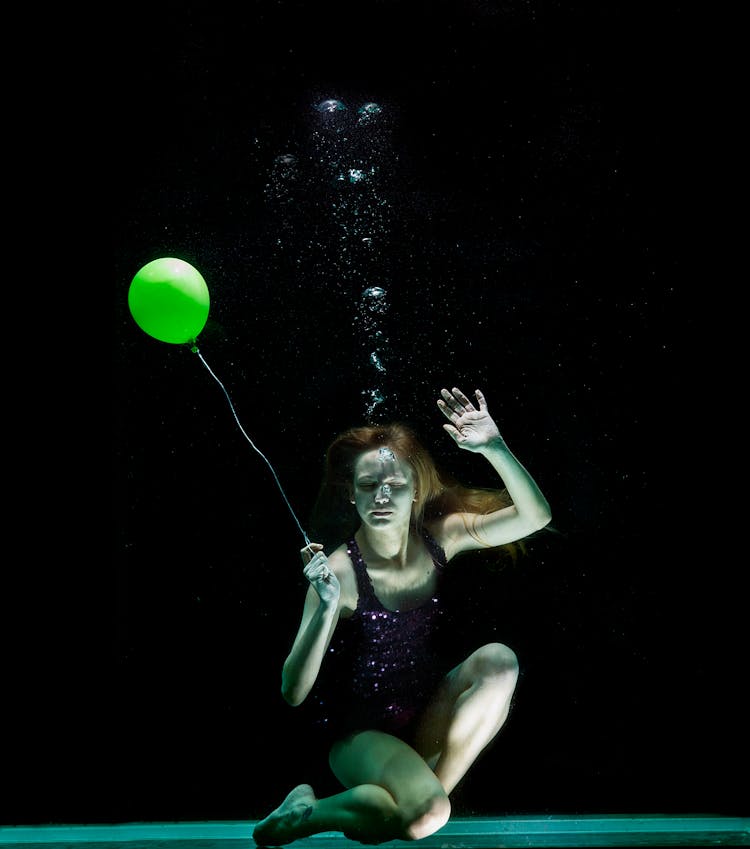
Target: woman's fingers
{"type": "Point", "coordinates": [457, 401]}
{"type": "Point", "coordinates": [445, 410]}
{"type": "Point", "coordinates": [450, 401]}
{"type": "Point", "coordinates": [464, 402]}
{"type": "Point", "coordinates": [449, 406]}
{"type": "Point", "coordinates": [453, 432]}
{"type": "Point", "coordinates": [316, 560]}
{"type": "Point", "coordinates": [309, 551]}
{"type": "Point", "coordinates": [317, 568]}
{"type": "Point", "coordinates": [455, 404]}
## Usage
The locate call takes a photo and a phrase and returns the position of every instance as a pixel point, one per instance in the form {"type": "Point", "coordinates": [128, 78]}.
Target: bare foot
{"type": "Point", "coordinates": [283, 825]}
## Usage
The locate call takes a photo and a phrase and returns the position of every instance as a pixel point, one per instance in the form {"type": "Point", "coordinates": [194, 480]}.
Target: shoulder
{"type": "Point", "coordinates": [340, 562]}
{"type": "Point", "coordinates": [340, 556]}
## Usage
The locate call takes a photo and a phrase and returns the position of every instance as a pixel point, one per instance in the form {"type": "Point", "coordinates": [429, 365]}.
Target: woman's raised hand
{"type": "Point", "coordinates": [471, 428]}
{"type": "Point", "coordinates": [319, 574]}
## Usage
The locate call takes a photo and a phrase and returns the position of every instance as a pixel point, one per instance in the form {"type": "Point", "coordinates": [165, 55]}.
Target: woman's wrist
{"type": "Point", "coordinates": [328, 606]}
{"type": "Point", "coordinates": [496, 445]}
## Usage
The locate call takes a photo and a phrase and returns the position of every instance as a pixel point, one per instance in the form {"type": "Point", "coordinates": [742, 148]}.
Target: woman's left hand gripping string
{"type": "Point", "coordinates": [318, 572]}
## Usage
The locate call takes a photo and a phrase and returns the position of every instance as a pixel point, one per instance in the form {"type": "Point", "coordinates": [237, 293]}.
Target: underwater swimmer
{"type": "Point", "coordinates": [403, 729]}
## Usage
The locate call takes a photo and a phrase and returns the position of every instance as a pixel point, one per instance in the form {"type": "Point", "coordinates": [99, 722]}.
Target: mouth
{"type": "Point", "coordinates": [382, 512]}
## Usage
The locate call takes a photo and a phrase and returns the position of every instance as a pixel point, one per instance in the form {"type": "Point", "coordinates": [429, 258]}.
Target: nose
{"type": "Point", "coordinates": [384, 494]}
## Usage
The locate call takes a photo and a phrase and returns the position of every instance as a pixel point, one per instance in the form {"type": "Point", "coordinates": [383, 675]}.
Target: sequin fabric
{"type": "Point", "coordinates": [382, 666]}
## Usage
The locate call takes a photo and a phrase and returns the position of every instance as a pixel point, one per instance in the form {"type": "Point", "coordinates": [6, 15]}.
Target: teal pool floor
{"type": "Point", "coordinates": [459, 833]}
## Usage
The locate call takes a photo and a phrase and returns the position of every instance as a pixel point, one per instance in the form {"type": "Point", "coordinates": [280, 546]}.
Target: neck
{"type": "Point", "coordinates": [389, 544]}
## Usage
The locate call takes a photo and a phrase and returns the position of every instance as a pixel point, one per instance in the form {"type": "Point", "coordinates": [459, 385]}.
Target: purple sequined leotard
{"type": "Point", "coordinates": [382, 666]}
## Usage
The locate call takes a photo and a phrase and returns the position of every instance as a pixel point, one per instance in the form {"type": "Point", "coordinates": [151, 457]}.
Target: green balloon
{"type": "Point", "coordinates": [168, 298]}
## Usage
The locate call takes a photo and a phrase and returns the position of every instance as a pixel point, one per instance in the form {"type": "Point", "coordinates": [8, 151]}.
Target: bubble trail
{"type": "Point", "coordinates": [340, 179]}
{"type": "Point", "coordinates": [255, 447]}
{"type": "Point", "coordinates": [373, 307]}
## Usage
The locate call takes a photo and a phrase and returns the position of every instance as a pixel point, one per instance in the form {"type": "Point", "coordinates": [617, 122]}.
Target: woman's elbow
{"type": "Point", "coordinates": [545, 517]}
{"type": "Point", "coordinates": [541, 518]}
{"type": "Point", "coordinates": [292, 698]}
{"type": "Point", "coordinates": [292, 694]}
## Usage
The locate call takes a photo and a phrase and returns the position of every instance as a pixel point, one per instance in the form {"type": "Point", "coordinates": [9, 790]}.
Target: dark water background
{"type": "Point", "coordinates": [526, 216]}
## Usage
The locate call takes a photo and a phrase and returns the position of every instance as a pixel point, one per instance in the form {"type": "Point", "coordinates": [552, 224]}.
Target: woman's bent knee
{"type": "Point", "coordinates": [496, 659]}
{"type": "Point", "coordinates": [428, 818]}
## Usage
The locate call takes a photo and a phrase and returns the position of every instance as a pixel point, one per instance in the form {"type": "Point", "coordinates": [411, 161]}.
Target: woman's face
{"type": "Point", "coordinates": [383, 488]}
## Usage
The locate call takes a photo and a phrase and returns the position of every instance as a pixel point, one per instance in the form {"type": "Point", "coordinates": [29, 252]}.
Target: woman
{"type": "Point", "coordinates": [403, 732]}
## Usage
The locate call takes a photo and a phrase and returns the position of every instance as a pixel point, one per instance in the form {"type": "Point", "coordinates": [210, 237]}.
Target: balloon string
{"type": "Point", "coordinates": [276, 477]}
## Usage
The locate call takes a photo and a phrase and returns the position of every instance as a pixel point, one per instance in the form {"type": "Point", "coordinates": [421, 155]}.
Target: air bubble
{"type": "Point", "coordinates": [368, 112]}
{"type": "Point", "coordinates": [330, 106]}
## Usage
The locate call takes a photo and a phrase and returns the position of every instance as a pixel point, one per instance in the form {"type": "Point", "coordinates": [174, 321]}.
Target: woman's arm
{"type": "Point", "coordinates": [319, 618]}
{"type": "Point", "coordinates": [474, 430]}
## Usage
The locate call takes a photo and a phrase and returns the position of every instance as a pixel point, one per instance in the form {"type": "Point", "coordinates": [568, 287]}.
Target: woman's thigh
{"type": "Point", "coordinates": [374, 757]}
{"type": "Point", "coordinates": [432, 727]}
